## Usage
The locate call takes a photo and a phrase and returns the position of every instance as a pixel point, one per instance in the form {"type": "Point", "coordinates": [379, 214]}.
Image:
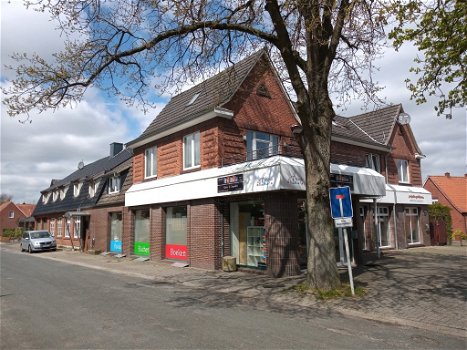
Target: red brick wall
{"type": "Point", "coordinates": [204, 233]}
{"type": "Point", "coordinates": [344, 153]}
{"type": "Point", "coordinates": [221, 139]}
{"type": "Point", "coordinates": [403, 148]}
{"type": "Point", "coordinates": [458, 220]}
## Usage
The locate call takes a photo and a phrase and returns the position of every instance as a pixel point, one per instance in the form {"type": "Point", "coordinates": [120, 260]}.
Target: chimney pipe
{"type": "Point", "coordinates": [447, 174]}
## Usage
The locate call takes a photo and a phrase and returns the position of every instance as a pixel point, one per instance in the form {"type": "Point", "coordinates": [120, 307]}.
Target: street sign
{"type": "Point", "coordinates": [341, 202]}
{"type": "Point", "coordinates": [343, 222]}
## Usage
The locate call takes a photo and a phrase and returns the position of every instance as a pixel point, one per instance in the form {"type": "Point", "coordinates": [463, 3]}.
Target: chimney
{"type": "Point", "coordinates": [115, 148]}
{"type": "Point", "coordinates": [447, 174]}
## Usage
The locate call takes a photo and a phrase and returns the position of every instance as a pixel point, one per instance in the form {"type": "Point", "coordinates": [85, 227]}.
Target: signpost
{"type": "Point", "coordinates": [342, 213]}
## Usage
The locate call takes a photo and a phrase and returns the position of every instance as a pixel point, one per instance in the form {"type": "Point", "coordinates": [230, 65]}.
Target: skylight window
{"type": "Point", "coordinates": [193, 99]}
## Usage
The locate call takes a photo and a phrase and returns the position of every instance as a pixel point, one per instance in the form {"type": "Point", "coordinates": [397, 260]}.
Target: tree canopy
{"type": "Point", "coordinates": [438, 29]}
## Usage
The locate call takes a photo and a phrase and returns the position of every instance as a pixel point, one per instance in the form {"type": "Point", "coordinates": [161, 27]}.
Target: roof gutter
{"type": "Point", "coordinates": [216, 112]}
{"type": "Point", "coordinates": [382, 148]}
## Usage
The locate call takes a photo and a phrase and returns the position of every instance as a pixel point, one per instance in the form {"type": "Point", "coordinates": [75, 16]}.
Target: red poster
{"type": "Point", "coordinates": [175, 251]}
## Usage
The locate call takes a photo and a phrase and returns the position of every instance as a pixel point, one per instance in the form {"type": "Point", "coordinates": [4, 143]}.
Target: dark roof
{"type": "Point", "coordinates": [373, 128]}
{"type": "Point", "coordinates": [213, 92]}
{"type": "Point", "coordinates": [98, 170]}
{"type": "Point", "coordinates": [126, 171]}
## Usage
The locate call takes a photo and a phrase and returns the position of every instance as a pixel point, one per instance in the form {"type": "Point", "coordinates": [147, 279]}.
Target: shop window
{"type": "Point", "coordinates": [142, 245]}
{"type": "Point", "coordinates": [116, 229]}
{"type": "Point", "coordinates": [403, 170]}
{"type": "Point", "coordinates": [383, 226]}
{"type": "Point", "coordinates": [261, 145]}
{"type": "Point", "coordinates": [150, 162]}
{"type": "Point", "coordinates": [176, 233]}
{"type": "Point", "coordinates": [191, 151]}
{"type": "Point", "coordinates": [411, 225]}
{"type": "Point", "coordinates": [373, 162]}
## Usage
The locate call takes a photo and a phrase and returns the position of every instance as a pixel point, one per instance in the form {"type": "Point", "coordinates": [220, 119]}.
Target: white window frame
{"type": "Point", "coordinates": [55, 195]}
{"type": "Point", "coordinates": [191, 161]}
{"type": "Point", "coordinates": [76, 227]}
{"type": "Point", "coordinates": [11, 214]}
{"type": "Point", "coordinates": [92, 190]}
{"type": "Point", "coordinates": [401, 165]}
{"type": "Point", "coordinates": [150, 162]}
{"type": "Point", "coordinates": [52, 227]}
{"type": "Point", "coordinates": [77, 189]}
{"type": "Point", "coordinates": [114, 184]}
{"type": "Point", "coordinates": [271, 144]}
{"type": "Point", "coordinates": [45, 197]}
{"type": "Point", "coordinates": [373, 162]}
{"type": "Point", "coordinates": [383, 212]}
{"type": "Point", "coordinates": [59, 227]}
{"type": "Point", "coordinates": [67, 227]}
{"type": "Point", "coordinates": [410, 212]}
{"type": "Point", "coordinates": [63, 192]}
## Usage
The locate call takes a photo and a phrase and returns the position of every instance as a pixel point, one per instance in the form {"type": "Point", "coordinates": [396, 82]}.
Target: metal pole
{"type": "Point", "coordinates": [377, 228]}
{"type": "Point", "coordinates": [349, 266]}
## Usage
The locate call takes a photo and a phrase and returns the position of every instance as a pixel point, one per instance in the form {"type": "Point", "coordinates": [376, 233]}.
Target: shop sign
{"type": "Point", "coordinates": [176, 251]}
{"type": "Point", "coordinates": [230, 183]}
{"type": "Point", "coordinates": [142, 248]}
{"type": "Point", "coordinates": [116, 246]}
{"type": "Point", "coordinates": [340, 180]}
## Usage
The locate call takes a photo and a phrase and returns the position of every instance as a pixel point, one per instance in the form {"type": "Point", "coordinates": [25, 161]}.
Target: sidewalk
{"type": "Point", "coordinates": [420, 287]}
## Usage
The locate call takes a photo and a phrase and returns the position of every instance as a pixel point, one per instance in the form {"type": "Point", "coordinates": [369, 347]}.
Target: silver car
{"type": "Point", "coordinates": [35, 241]}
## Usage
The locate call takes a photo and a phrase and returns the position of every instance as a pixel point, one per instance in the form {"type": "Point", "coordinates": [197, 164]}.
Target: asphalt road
{"type": "Point", "coordinates": [46, 304]}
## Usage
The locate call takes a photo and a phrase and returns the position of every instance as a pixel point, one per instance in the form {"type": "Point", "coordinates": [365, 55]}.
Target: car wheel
{"type": "Point", "coordinates": [21, 247]}
{"type": "Point", "coordinates": [29, 249]}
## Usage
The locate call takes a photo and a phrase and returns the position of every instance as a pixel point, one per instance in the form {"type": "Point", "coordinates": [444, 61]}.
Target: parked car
{"type": "Point", "coordinates": [34, 241]}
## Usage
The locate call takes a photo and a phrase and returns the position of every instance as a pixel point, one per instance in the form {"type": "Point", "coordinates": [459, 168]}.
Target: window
{"type": "Point", "coordinates": [76, 189]}
{"type": "Point", "coordinates": [114, 184]}
{"type": "Point", "coordinates": [45, 198]}
{"type": "Point", "coordinates": [193, 99]}
{"type": "Point", "coordinates": [366, 237]}
{"type": "Point", "coordinates": [176, 233]}
{"type": "Point", "coordinates": [67, 228]}
{"type": "Point", "coordinates": [52, 227]}
{"type": "Point", "coordinates": [261, 145]}
{"type": "Point", "coordinates": [411, 225]}
{"type": "Point", "coordinates": [383, 226]}
{"type": "Point", "coordinates": [191, 151]}
{"type": "Point", "coordinates": [403, 170]}
{"type": "Point", "coordinates": [59, 227]}
{"type": "Point", "coordinates": [11, 214]}
{"type": "Point", "coordinates": [55, 195]}
{"type": "Point", "coordinates": [372, 162]}
{"type": "Point", "coordinates": [93, 185]}
{"type": "Point", "coordinates": [142, 233]}
{"type": "Point", "coordinates": [116, 230]}
{"type": "Point", "coordinates": [63, 192]}
{"type": "Point", "coordinates": [77, 228]}
{"type": "Point", "coordinates": [150, 162]}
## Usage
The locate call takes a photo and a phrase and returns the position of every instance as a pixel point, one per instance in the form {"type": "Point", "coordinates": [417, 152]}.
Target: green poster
{"type": "Point", "coordinates": [142, 248]}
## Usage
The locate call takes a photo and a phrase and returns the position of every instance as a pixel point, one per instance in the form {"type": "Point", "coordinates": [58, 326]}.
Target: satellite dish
{"type": "Point", "coordinates": [403, 118]}
{"type": "Point", "coordinates": [81, 165]}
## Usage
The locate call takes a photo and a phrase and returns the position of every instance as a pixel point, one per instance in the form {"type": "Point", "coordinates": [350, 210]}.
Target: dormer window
{"type": "Point", "coordinates": [45, 197]}
{"type": "Point", "coordinates": [55, 195]}
{"type": "Point", "coordinates": [63, 192]}
{"type": "Point", "coordinates": [193, 99]}
{"type": "Point", "coordinates": [114, 184]}
{"type": "Point", "coordinates": [403, 170]}
{"type": "Point", "coordinates": [77, 188]}
{"type": "Point", "coordinates": [93, 185]}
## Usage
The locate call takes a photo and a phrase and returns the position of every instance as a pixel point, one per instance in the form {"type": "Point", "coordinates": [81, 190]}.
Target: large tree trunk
{"type": "Point", "coordinates": [316, 145]}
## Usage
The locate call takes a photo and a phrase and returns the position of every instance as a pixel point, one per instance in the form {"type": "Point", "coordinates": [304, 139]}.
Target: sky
{"type": "Point", "coordinates": [51, 144]}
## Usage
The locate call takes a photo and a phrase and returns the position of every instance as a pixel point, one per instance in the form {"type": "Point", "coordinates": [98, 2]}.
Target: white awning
{"type": "Point", "coordinates": [270, 174]}
{"type": "Point", "coordinates": [396, 194]}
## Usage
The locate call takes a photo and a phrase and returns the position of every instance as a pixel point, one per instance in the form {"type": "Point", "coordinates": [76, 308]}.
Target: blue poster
{"type": "Point", "coordinates": [116, 246]}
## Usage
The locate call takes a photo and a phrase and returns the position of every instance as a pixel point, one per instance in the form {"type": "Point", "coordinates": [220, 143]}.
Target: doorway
{"type": "Point", "coordinates": [248, 236]}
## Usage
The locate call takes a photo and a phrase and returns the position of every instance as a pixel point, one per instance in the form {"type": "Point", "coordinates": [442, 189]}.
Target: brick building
{"type": "Point", "coordinates": [12, 215]}
{"type": "Point", "coordinates": [218, 172]}
{"type": "Point", "coordinates": [452, 192]}
{"type": "Point", "coordinates": [85, 209]}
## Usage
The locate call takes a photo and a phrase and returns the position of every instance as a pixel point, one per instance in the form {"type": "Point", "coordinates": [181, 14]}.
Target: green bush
{"type": "Point", "coordinates": [458, 235]}
{"type": "Point", "coordinates": [12, 233]}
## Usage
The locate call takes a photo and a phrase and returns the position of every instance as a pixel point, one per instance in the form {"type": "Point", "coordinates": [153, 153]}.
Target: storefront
{"type": "Point", "coordinates": [263, 221]}
{"type": "Point", "coordinates": [141, 245]}
{"type": "Point", "coordinates": [116, 231]}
